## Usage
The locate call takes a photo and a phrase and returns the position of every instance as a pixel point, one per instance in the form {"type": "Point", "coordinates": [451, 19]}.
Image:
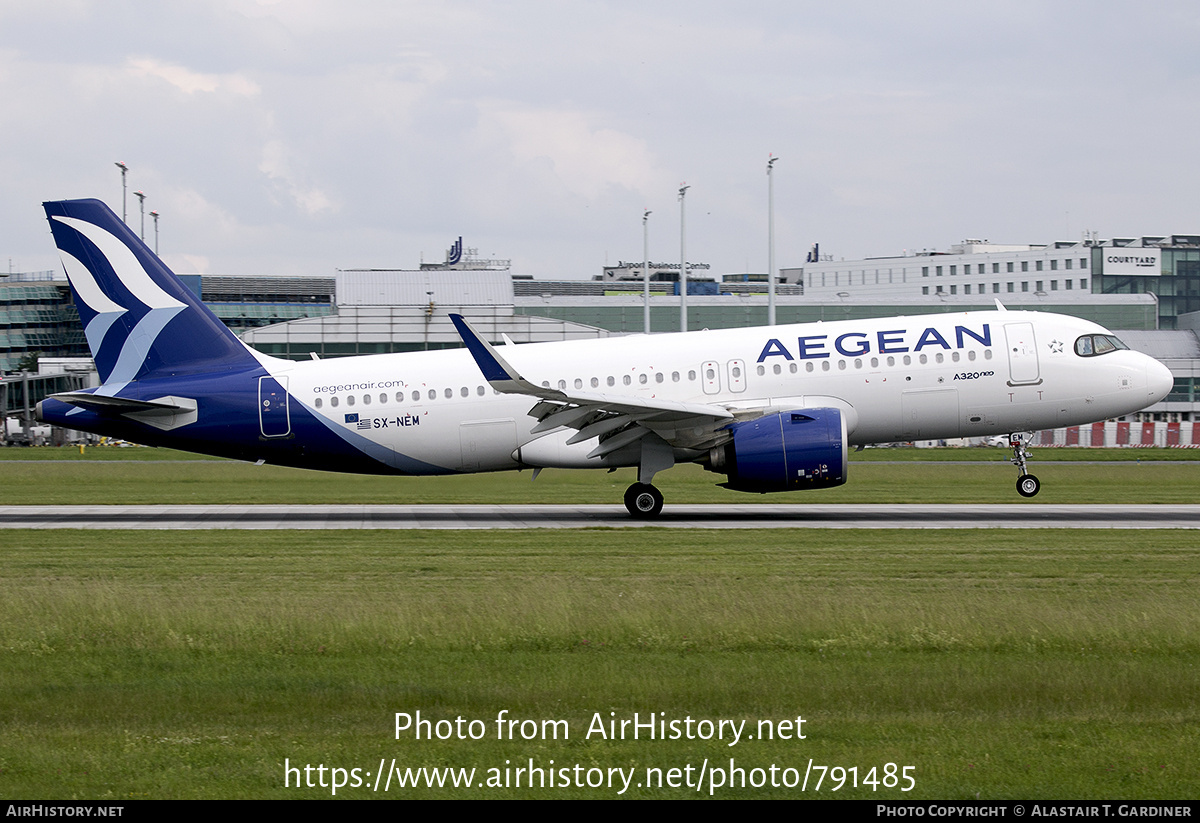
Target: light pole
{"type": "Point", "coordinates": [683, 277]}
{"type": "Point", "coordinates": [154, 214]}
{"type": "Point", "coordinates": [124, 171]}
{"type": "Point", "coordinates": [141, 196]}
{"type": "Point", "coordinates": [646, 267]}
{"type": "Point", "coordinates": [770, 241]}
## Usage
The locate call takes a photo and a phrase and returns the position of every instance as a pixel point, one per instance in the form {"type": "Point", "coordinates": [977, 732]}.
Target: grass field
{"type": "Point", "coordinates": [994, 663]}
{"type": "Point", "coordinates": [148, 476]}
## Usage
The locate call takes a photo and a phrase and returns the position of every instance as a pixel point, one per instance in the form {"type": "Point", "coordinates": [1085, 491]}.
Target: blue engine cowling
{"type": "Point", "coordinates": [802, 449]}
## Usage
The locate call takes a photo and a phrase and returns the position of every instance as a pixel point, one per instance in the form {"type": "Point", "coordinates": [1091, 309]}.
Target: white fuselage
{"type": "Point", "coordinates": [895, 379]}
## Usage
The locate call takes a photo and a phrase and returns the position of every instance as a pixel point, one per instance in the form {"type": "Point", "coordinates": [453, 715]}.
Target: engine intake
{"type": "Point", "coordinates": [801, 449]}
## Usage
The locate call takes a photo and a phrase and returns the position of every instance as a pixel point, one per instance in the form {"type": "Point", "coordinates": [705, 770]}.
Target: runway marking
{"type": "Point", "coordinates": [763, 516]}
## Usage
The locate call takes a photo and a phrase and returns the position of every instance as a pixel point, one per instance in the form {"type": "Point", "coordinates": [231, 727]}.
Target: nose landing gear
{"type": "Point", "coordinates": [1027, 484]}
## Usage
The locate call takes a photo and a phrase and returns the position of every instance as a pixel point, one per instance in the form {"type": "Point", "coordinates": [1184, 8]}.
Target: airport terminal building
{"type": "Point", "coordinates": [1165, 268]}
{"type": "Point", "coordinates": [1147, 289]}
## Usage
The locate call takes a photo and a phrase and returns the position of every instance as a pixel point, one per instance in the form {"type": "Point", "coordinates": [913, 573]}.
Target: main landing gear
{"type": "Point", "coordinates": [643, 500]}
{"type": "Point", "coordinates": [1027, 484]}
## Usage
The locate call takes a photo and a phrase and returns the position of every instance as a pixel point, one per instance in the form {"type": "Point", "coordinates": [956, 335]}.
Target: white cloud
{"type": "Point", "coordinates": [586, 159]}
{"type": "Point", "coordinates": [190, 81]}
{"type": "Point", "coordinates": [277, 165]}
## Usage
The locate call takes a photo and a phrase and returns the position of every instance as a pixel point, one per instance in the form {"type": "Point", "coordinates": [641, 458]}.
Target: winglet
{"type": "Point", "coordinates": [496, 370]}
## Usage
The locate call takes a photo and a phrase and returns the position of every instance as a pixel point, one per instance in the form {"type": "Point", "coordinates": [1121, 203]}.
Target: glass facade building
{"type": "Point", "coordinates": [1174, 282]}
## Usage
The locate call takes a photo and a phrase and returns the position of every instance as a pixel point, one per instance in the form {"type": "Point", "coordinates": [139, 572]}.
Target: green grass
{"type": "Point", "coordinates": [1046, 664]}
{"type": "Point", "coordinates": [228, 482]}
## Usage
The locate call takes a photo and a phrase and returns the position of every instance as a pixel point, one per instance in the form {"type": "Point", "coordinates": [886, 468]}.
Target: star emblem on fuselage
{"type": "Point", "coordinates": [1056, 346]}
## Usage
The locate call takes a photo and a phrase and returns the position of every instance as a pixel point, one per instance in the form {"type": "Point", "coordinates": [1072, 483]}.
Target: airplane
{"type": "Point", "coordinates": [773, 408]}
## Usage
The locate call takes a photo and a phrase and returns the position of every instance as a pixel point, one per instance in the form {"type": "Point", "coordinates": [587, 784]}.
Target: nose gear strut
{"type": "Point", "coordinates": [1027, 484]}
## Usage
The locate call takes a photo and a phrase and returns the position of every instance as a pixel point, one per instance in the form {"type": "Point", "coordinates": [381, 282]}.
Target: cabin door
{"type": "Point", "coordinates": [273, 419]}
{"type": "Point", "coordinates": [1023, 367]}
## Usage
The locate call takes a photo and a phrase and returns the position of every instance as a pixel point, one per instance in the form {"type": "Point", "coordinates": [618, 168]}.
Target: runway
{"type": "Point", "coordinates": [764, 516]}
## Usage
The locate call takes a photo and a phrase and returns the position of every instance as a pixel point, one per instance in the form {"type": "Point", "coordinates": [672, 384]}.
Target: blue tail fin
{"type": "Point", "coordinates": [139, 319]}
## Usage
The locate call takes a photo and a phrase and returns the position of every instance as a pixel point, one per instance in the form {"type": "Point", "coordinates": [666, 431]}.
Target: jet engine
{"type": "Point", "coordinates": [787, 451]}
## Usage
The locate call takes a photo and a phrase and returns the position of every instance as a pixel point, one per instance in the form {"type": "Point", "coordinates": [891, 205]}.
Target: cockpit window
{"type": "Point", "coordinates": [1091, 345]}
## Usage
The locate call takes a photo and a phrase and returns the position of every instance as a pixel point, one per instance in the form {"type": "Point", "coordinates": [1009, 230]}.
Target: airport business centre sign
{"type": "Point", "coordinates": [1125, 261]}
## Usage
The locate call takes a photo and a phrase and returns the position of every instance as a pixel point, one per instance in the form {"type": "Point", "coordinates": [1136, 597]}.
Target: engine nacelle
{"type": "Point", "coordinates": [801, 449]}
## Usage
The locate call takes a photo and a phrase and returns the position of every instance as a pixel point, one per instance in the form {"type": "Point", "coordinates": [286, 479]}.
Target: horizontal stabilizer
{"type": "Point", "coordinates": [123, 405]}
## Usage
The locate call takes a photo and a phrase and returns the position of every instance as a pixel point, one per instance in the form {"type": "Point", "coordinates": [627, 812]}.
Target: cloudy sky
{"type": "Point", "coordinates": [301, 136]}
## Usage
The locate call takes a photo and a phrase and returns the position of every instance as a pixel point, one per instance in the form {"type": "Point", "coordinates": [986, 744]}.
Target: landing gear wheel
{"type": "Point", "coordinates": [643, 500]}
{"type": "Point", "coordinates": [1028, 485]}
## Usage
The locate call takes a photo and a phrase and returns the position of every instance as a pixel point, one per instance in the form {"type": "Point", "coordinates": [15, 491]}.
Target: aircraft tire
{"type": "Point", "coordinates": [1028, 485]}
{"type": "Point", "coordinates": [643, 500]}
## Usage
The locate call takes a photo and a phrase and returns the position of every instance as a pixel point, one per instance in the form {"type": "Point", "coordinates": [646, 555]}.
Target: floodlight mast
{"type": "Point", "coordinates": [154, 214]}
{"type": "Point", "coordinates": [683, 277]}
{"type": "Point", "coordinates": [646, 269]}
{"type": "Point", "coordinates": [141, 196]}
{"type": "Point", "coordinates": [771, 240]}
{"type": "Point", "coordinates": [124, 171]}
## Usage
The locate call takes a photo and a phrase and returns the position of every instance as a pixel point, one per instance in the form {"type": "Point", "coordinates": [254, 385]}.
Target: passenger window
{"type": "Point", "coordinates": [333, 401]}
{"type": "Point", "coordinates": [317, 402]}
{"type": "Point", "coordinates": [642, 379]}
{"type": "Point", "coordinates": [349, 400]}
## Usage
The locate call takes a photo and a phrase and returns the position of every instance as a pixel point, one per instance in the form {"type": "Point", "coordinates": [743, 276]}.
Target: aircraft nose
{"type": "Point", "coordinates": [1159, 380]}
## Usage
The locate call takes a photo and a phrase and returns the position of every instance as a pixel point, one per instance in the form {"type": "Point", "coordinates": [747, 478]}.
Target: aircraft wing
{"type": "Point", "coordinates": [618, 420]}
